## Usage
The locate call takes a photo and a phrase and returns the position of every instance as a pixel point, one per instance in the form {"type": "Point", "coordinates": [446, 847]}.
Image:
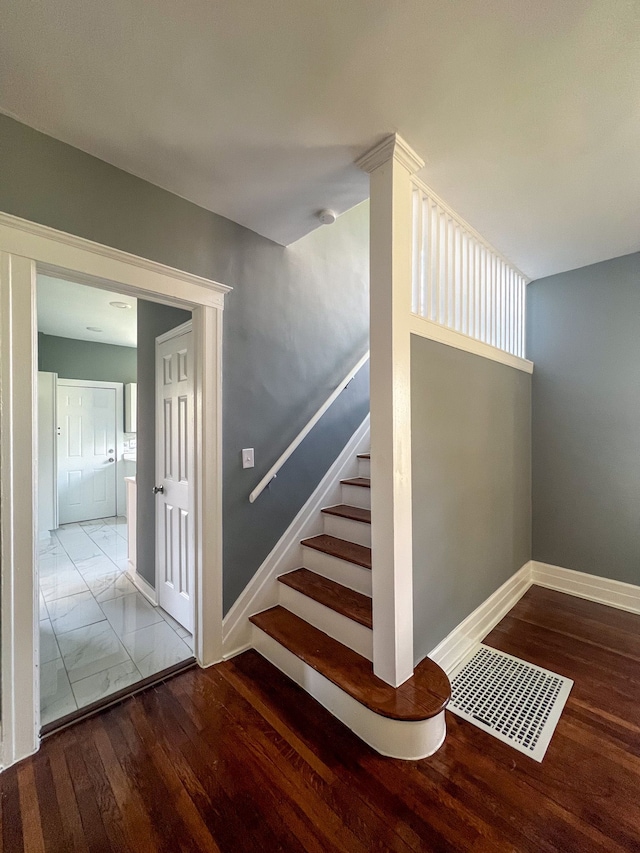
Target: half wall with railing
{"type": "Point", "coordinates": [460, 281]}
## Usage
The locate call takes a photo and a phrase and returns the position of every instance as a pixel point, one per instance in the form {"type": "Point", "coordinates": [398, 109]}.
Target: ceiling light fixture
{"type": "Point", "coordinates": [120, 304]}
{"type": "Point", "coordinates": [93, 329]}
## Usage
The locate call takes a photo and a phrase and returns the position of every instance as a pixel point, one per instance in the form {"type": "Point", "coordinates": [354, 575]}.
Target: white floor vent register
{"type": "Point", "coordinates": [513, 700]}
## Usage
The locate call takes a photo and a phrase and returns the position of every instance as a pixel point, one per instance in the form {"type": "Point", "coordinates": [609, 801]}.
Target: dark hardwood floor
{"type": "Point", "coordinates": [237, 758]}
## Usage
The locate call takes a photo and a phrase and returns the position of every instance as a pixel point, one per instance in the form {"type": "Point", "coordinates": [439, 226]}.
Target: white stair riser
{"type": "Point", "coordinates": [340, 571]}
{"type": "Point", "coordinates": [341, 628]}
{"type": "Point", "coordinates": [395, 738]}
{"type": "Point", "coordinates": [347, 528]}
{"type": "Point", "coordinates": [356, 496]}
{"type": "Point", "coordinates": [364, 468]}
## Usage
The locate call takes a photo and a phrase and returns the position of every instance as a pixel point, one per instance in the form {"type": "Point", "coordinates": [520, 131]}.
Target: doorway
{"type": "Point", "coordinates": [103, 626]}
{"type": "Point", "coordinates": [26, 249]}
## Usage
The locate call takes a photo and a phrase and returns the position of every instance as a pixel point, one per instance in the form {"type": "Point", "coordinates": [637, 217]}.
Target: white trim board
{"type": "Point", "coordinates": [262, 590]}
{"type": "Point", "coordinates": [623, 596]}
{"type": "Point", "coordinates": [143, 586]}
{"type": "Point", "coordinates": [435, 332]}
{"type": "Point", "coordinates": [459, 644]}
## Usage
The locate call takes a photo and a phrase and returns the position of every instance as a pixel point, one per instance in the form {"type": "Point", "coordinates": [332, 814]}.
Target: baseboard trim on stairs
{"type": "Point", "coordinates": [623, 596]}
{"type": "Point", "coordinates": [409, 740]}
{"type": "Point", "coordinates": [262, 590]}
{"type": "Point", "coordinates": [458, 644]}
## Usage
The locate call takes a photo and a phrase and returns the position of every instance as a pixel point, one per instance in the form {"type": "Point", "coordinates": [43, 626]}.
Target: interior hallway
{"type": "Point", "coordinates": [98, 634]}
{"type": "Point", "coordinates": [236, 757]}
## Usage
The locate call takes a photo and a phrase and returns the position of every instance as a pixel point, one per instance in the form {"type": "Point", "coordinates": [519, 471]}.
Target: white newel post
{"type": "Point", "coordinates": [390, 166]}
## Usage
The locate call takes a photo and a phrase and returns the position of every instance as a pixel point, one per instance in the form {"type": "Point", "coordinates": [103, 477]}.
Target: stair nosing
{"type": "Point", "coordinates": [313, 542]}
{"type": "Point", "coordinates": [331, 510]}
{"type": "Point", "coordinates": [362, 482]}
{"type": "Point", "coordinates": [311, 658]}
{"type": "Point", "coordinates": [286, 579]}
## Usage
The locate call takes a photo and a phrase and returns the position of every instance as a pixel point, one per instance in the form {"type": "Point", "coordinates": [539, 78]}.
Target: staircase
{"type": "Point", "coordinates": [320, 634]}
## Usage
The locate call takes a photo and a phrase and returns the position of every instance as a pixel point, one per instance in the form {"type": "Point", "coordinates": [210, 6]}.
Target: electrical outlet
{"type": "Point", "coordinates": [247, 457]}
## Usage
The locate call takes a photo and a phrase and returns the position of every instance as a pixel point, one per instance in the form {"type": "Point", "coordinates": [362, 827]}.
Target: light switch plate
{"type": "Point", "coordinates": [247, 457]}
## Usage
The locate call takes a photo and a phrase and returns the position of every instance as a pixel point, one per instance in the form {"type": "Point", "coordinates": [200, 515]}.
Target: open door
{"type": "Point", "coordinates": [174, 474]}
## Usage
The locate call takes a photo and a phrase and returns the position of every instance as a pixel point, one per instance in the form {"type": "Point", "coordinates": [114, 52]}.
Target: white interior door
{"type": "Point", "coordinates": [174, 474]}
{"type": "Point", "coordinates": [86, 451]}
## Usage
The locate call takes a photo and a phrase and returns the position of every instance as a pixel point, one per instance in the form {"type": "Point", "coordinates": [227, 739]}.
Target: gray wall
{"type": "Point", "coordinates": [584, 337]}
{"type": "Point", "coordinates": [72, 359]}
{"type": "Point", "coordinates": [294, 324]}
{"type": "Point", "coordinates": [471, 421]}
{"type": "Point", "coordinates": [153, 320]}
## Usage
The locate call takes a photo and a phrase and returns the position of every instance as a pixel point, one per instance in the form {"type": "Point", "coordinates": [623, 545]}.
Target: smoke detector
{"type": "Point", "coordinates": [327, 217]}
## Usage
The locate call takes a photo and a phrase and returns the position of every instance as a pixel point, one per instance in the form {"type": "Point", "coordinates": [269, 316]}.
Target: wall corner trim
{"type": "Point", "coordinates": [458, 644]}
{"type": "Point", "coordinates": [262, 590]}
{"type": "Point", "coordinates": [618, 594]}
{"type": "Point", "coordinates": [393, 146]}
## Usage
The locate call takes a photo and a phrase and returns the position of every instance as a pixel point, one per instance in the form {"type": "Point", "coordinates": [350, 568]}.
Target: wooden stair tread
{"type": "Point", "coordinates": [365, 482]}
{"type": "Point", "coordinates": [421, 697]}
{"type": "Point", "coordinates": [349, 551]}
{"type": "Point", "coordinates": [355, 513]}
{"type": "Point", "coordinates": [354, 605]}
{"type": "Point", "coordinates": [364, 456]}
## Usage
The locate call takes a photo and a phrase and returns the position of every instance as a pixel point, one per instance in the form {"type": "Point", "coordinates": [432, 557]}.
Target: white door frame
{"type": "Point", "coordinates": [119, 445]}
{"type": "Point", "coordinates": [27, 248]}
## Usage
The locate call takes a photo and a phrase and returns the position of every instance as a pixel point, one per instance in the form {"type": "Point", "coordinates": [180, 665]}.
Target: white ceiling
{"type": "Point", "coordinates": [66, 309]}
{"type": "Point", "coordinates": [526, 111]}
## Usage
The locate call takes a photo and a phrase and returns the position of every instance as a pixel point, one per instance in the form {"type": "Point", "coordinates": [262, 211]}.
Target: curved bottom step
{"type": "Point", "coordinates": [416, 734]}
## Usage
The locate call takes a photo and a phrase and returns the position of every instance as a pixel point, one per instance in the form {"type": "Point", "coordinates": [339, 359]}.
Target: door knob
{"type": "Point", "coordinates": [158, 489]}
{"type": "Point", "coordinates": [111, 459]}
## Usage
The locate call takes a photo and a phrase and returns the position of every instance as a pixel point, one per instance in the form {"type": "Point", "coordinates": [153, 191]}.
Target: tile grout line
{"type": "Point", "coordinates": [121, 572]}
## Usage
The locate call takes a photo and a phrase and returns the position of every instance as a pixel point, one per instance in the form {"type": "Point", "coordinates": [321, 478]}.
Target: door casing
{"type": "Point", "coordinates": [27, 248]}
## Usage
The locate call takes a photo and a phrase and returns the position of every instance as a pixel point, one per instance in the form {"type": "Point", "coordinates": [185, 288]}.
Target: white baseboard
{"type": "Point", "coordinates": [262, 590]}
{"type": "Point", "coordinates": [457, 645]}
{"type": "Point", "coordinates": [143, 586]}
{"type": "Point", "coordinates": [624, 596]}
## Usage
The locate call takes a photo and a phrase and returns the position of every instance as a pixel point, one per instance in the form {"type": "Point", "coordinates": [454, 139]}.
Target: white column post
{"type": "Point", "coordinates": [18, 464]}
{"type": "Point", "coordinates": [390, 166]}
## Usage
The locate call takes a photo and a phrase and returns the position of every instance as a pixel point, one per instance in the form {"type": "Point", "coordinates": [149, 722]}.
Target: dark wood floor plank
{"type": "Point", "coordinates": [32, 819]}
{"type": "Point", "coordinates": [12, 830]}
{"type": "Point", "coordinates": [238, 758]}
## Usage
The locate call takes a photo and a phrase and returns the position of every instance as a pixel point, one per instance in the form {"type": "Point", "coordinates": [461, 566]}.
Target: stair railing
{"type": "Point", "coordinates": [273, 471]}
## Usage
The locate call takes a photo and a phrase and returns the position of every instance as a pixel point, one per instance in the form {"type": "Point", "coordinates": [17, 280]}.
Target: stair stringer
{"type": "Point", "coordinates": [408, 740]}
{"type": "Point", "coordinates": [262, 591]}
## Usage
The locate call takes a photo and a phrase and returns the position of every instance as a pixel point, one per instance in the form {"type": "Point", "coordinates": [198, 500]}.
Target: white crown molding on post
{"type": "Point", "coordinates": [618, 594]}
{"type": "Point", "coordinates": [393, 146]}
{"type": "Point", "coordinates": [262, 590]}
{"type": "Point", "coordinates": [460, 642]}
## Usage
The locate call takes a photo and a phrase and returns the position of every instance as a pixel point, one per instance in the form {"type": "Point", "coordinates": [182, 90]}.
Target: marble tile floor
{"type": "Point", "coordinates": [98, 634]}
